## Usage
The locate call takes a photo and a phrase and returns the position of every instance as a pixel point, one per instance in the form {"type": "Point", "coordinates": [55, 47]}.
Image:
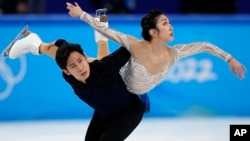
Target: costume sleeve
{"type": "Point", "coordinates": [116, 36]}
{"type": "Point", "coordinates": [116, 60]}
{"type": "Point", "coordinates": [181, 51]}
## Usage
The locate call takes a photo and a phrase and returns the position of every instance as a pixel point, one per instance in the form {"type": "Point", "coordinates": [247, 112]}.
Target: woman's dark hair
{"type": "Point", "coordinates": [63, 52]}
{"type": "Point", "coordinates": [148, 22]}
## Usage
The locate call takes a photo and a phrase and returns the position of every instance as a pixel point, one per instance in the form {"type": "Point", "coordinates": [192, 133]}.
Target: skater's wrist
{"type": "Point", "coordinates": [82, 14]}
{"type": "Point", "coordinates": [230, 59]}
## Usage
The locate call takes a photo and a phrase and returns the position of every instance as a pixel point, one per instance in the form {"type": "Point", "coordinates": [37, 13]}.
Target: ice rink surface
{"type": "Point", "coordinates": [150, 129]}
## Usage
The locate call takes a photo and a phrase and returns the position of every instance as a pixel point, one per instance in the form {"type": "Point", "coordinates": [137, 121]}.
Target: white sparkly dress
{"type": "Point", "coordinates": [136, 77]}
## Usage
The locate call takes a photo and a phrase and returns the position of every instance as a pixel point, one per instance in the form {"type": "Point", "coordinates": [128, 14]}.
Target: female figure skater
{"type": "Point", "coordinates": [151, 58]}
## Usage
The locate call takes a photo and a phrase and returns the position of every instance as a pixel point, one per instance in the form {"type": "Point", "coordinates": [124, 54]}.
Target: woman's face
{"type": "Point", "coordinates": [165, 29]}
{"type": "Point", "coordinates": [78, 66]}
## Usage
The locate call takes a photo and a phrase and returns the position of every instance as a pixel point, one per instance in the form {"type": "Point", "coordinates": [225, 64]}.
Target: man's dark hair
{"type": "Point", "coordinates": [64, 50]}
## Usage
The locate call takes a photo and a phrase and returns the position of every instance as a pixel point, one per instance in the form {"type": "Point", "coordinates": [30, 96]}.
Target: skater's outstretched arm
{"type": "Point", "coordinates": [102, 42]}
{"type": "Point", "coordinates": [125, 40]}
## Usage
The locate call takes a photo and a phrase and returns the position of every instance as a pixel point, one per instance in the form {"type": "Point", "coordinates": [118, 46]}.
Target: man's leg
{"type": "Point", "coordinates": [96, 128]}
{"type": "Point", "coordinates": [48, 49]}
{"type": "Point", "coordinates": [24, 46]}
{"type": "Point", "coordinates": [122, 124]}
{"type": "Point", "coordinates": [30, 43]}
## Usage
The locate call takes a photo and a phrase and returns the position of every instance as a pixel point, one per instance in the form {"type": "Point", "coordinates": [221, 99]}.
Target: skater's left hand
{"type": "Point", "coordinates": [74, 10]}
{"type": "Point", "coordinates": [237, 68]}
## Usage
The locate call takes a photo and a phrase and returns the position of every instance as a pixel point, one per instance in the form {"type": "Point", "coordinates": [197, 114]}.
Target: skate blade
{"type": "Point", "coordinates": [19, 35]}
{"type": "Point", "coordinates": [101, 12]}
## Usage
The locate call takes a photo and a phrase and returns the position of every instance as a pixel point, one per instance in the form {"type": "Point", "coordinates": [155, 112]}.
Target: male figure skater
{"type": "Point", "coordinates": [117, 112]}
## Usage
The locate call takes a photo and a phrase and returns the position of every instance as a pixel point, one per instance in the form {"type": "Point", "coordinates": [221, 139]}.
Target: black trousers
{"type": "Point", "coordinates": [116, 127]}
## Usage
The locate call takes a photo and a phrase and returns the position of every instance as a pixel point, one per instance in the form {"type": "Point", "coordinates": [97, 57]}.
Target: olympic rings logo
{"type": "Point", "coordinates": [8, 76]}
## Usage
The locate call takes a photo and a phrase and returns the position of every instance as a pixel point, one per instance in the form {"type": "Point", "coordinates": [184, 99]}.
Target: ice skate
{"type": "Point", "coordinates": [102, 17]}
{"type": "Point", "coordinates": [102, 41]}
{"type": "Point", "coordinates": [24, 42]}
{"type": "Point", "coordinates": [23, 32]}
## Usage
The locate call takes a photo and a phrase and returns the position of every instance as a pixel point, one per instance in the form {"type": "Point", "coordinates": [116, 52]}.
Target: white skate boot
{"type": "Point", "coordinates": [101, 16]}
{"type": "Point", "coordinates": [29, 43]}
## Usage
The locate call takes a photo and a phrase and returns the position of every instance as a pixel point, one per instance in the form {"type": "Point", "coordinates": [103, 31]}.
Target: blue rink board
{"type": "Point", "coordinates": [31, 87]}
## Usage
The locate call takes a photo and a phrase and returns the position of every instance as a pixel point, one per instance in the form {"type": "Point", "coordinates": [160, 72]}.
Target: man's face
{"type": "Point", "coordinates": [77, 66]}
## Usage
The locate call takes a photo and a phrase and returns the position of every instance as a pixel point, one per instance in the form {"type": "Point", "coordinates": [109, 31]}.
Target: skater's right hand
{"type": "Point", "coordinates": [74, 10]}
